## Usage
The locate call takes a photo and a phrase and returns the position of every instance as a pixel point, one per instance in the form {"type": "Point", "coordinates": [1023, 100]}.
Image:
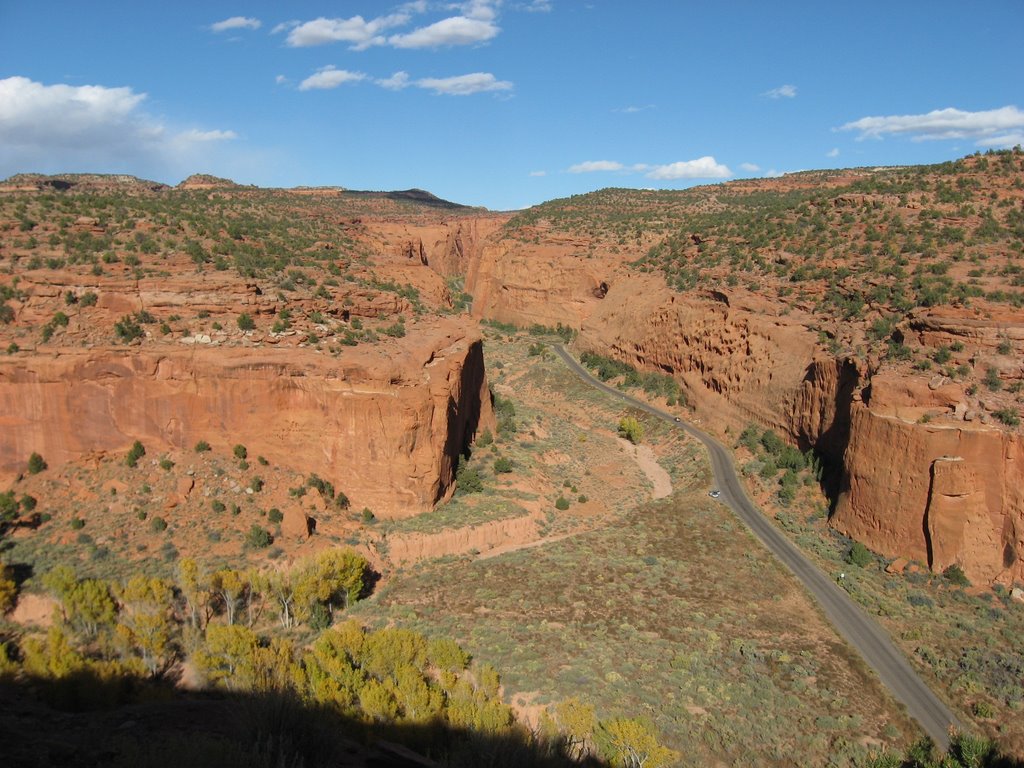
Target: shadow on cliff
{"type": "Point", "coordinates": [830, 436]}
{"type": "Point", "coordinates": [86, 720]}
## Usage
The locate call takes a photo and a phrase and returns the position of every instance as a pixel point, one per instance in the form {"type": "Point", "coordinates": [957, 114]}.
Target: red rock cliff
{"type": "Point", "coordinates": [385, 425]}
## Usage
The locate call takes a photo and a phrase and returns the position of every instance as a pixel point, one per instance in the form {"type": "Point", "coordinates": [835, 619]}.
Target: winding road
{"type": "Point", "coordinates": [865, 635]}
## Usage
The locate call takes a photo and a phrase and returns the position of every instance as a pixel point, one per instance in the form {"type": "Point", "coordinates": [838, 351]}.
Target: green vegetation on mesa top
{"type": "Point", "coordinates": [836, 241]}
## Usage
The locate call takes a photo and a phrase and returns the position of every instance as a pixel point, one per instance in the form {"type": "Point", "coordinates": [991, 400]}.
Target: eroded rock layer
{"type": "Point", "coordinates": [386, 425]}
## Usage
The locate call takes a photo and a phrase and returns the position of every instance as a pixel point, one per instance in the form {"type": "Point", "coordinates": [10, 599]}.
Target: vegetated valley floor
{"type": "Point", "coordinates": [667, 609]}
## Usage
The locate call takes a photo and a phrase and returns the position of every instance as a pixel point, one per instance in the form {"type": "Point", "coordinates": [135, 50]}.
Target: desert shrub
{"type": "Point", "coordinates": [240, 452]}
{"type": "Point", "coordinates": [256, 484]}
{"type": "Point", "coordinates": [218, 506]}
{"type": "Point", "coordinates": [561, 503]}
{"type": "Point", "coordinates": [77, 523]}
{"type": "Point", "coordinates": [202, 446]}
{"type": "Point", "coordinates": [631, 429]}
{"type": "Point", "coordinates": [245, 322]}
{"type": "Point", "coordinates": [258, 537]}
{"type": "Point", "coordinates": [992, 380]}
{"type": "Point", "coordinates": [36, 464]}
{"type": "Point", "coordinates": [858, 555]}
{"type": "Point", "coordinates": [955, 575]}
{"type": "Point", "coordinates": [127, 329]}
{"type": "Point", "coordinates": [275, 515]}
{"type": "Point", "coordinates": [485, 439]}
{"type": "Point", "coordinates": [136, 452]}
{"type": "Point", "coordinates": [367, 515]}
{"type": "Point", "coordinates": [468, 480]}
{"type": "Point", "coordinates": [502, 465]}
{"type": "Point", "coordinates": [166, 464]}
{"type": "Point", "coordinates": [158, 525]}
{"type": "Point", "coordinates": [1007, 416]}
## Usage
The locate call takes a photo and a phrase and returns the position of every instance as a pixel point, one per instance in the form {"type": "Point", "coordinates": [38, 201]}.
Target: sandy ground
{"type": "Point", "coordinates": [644, 456]}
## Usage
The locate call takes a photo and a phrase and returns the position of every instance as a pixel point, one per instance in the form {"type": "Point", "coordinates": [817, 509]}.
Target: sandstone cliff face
{"type": "Point", "coordinates": [386, 425]}
{"type": "Point", "coordinates": [944, 493]}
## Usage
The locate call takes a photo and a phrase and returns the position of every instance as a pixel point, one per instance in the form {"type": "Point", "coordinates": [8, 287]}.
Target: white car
{"type": "Point", "coordinates": [714, 494]}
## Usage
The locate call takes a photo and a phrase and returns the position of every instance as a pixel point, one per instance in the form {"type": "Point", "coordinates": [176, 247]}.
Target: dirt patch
{"type": "Point", "coordinates": [644, 457]}
{"type": "Point", "coordinates": [33, 610]}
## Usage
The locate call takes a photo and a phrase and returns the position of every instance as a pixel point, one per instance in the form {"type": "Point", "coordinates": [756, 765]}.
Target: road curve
{"type": "Point", "coordinates": [864, 634]}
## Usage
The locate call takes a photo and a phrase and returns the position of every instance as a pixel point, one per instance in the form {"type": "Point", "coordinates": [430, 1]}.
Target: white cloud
{"type": "Point", "coordinates": [701, 168]}
{"type": "Point", "coordinates": [631, 110]}
{"type": "Point", "coordinates": [1008, 140]}
{"type": "Point", "coordinates": [537, 6]}
{"type": "Point", "coordinates": [538, 173]}
{"type": "Point", "coordinates": [590, 166]}
{"type": "Point", "coordinates": [329, 77]}
{"type": "Point", "coordinates": [284, 26]}
{"type": "Point", "coordinates": [196, 135]}
{"type": "Point", "coordinates": [64, 128]}
{"type": "Point", "coordinates": [782, 92]}
{"type": "Point", "coordinates": [750, 167]}
{"type": "Point", "coordinates": [280, 79]}
{"type": "Point", "coordinates": [361, 33]}
{"type": "Point", "coordinates": [834, 152]}
{"type": "Point", "coordinates": [457, 30]}
{"type": "Point", "coordinates": [771, 173]}
{"type": "Point", "coordinates": [236, 22]}
{"type": "Point", "coordinates": [478, 9]}
{"type": "Point", "coordinates": [464, 85]}
{"type": "Point", "coordinates": [396, 82]}
{"type": "Point", "coordinates": [993, 127]}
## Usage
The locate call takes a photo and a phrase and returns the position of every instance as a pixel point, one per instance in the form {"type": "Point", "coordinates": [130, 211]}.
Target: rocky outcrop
{"type": "Point", "coordinates": [942, 493]}
{"type": "Point", "coordinates": [386, 425]}
{"type": "Point", "coordinates": [924, 475]}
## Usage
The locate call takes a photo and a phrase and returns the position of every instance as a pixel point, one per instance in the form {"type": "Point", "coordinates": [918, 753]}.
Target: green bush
{"type": "Point", "coordinates": [218, 506]}
{"type": "Point", "coordinates": [275, 515]}
{"type": "Point", "coordinates": [468, 480]}
{"type": "Point", "coordinates": [502, 465]}
{"type": "Point", "coordinates": [202, 446]}
{"type": "Point", "coordinates": [858, 555]}
{"type": "Point", "coordinates": [136, 452]}
{"type": "Point", "coordinates": [955, 575]}
{"type": "Point", "coordinates": [258, 538]}
{"type": "Point", "coordinates": [36, 464]}
{"type": "Point", "coordinates": [1008, 416]}
{"type": "Point", "coordinates": [128, 329]}
{"type": "Point", "coordinates": [561, 503]}
{"type": "Point", "coordinates": [245, 322]}
{"type": "Point", "coordinates": [166, 464]}
{"type": "Point", "coordinates": [77, 523]}
{"type": "Point", "coordinates": [158, 525]}
{"type": "Point", "coordinates": [240, 452]}
{"type": "Point", "coordinates": [631, 429]}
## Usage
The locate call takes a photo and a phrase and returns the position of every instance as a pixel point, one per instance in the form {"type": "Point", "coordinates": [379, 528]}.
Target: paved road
{"type": "Point", "coordinates": [864, 634]}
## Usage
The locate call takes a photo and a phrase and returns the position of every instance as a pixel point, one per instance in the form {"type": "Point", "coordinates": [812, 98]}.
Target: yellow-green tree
{"type": "Point", "coordinates": [631, 429]}
{"type": "Point", "coordinates": [230, 587]}
{"type": "Point", "coordinates": [228, 656]}
{"type": "Point", "coordinates": [145, 628]}
{"type": "Point", "coordinates": [332, 579]}
{"type": "Point", "coordinates": [8, 590]}
{"type": "Point", "coordinates": [632, 743]}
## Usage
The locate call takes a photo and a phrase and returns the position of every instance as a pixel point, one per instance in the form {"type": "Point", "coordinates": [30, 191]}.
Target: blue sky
{"type": "Point", "coordinates": [503, 103]}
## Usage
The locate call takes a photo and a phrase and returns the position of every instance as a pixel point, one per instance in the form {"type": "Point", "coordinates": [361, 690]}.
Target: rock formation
{"type": "Point", "coordinates": [385, 425]}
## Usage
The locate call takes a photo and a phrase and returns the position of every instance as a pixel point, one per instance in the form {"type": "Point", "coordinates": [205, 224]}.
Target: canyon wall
{"type": "Point", "coordinates": [384, 424]}
{"type": "Point", "coordinates": [943, 492]}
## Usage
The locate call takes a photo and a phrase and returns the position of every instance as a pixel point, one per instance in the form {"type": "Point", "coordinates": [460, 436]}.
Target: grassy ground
{"type": "Point", "coordinates": [666, 609]}
{"type": "Point", "coordinates": [968, 642]}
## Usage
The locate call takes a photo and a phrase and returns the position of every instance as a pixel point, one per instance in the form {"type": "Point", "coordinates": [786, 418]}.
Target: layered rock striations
{"type": "Point", "coordinates": [944, 493]}
{"type": "Point", "coordinates": [386, 425]}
